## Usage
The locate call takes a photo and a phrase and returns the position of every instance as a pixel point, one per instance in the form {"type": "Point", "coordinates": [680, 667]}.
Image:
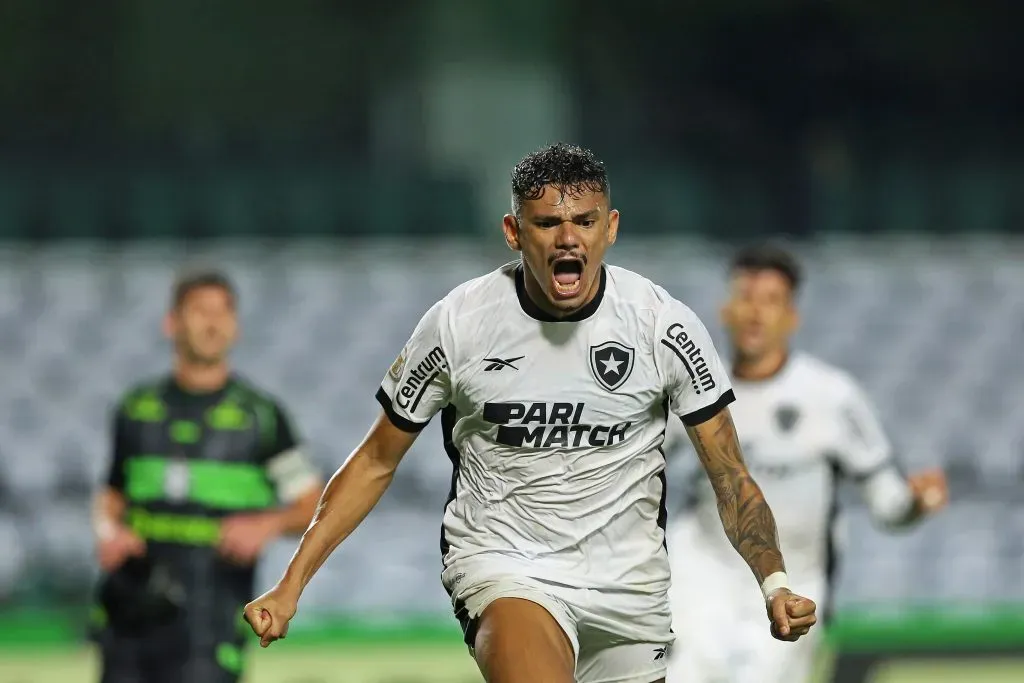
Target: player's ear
{"type": "Point", "coordinates": [510, 226]}
{"type": "Point", "coordinates": [613, 226]}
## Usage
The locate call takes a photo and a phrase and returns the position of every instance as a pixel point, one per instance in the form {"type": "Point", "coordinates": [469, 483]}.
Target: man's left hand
{"type": "Point", "coordinates": [243, 537]}
{"type": "Point", "coordinates": [791, 615]}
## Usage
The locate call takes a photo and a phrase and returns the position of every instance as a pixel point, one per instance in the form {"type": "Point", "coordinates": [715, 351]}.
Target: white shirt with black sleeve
{"type": "Point", "coordinates": [555, 426]}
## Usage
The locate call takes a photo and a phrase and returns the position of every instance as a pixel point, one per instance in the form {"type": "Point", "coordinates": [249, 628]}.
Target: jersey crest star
{"type": "Point", "coordinates": [611, 366]}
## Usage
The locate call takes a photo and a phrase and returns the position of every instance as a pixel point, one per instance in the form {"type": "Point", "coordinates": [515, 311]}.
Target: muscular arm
{"type": "Point", "coordinates": [349, 496]}
{"type": "Point", "coordinates": [746, 517]}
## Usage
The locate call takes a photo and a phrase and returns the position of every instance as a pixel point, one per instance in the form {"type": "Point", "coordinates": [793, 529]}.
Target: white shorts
{"type": "Point", "coordinates": [616, 636]}
{"type": "Point", "coordinates": [721, 624]}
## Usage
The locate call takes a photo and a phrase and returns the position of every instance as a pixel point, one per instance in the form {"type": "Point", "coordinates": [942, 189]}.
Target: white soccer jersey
{"type": "Point", "coordinates": [555, 427]}
{"type": "Point", "coordinates": [801, 430]}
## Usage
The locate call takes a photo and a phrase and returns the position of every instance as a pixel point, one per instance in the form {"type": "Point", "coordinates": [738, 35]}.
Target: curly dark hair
{"type": "Point", "coordinates": [769, 257]}
{"type": "Point", "coordinates": [571, 169]}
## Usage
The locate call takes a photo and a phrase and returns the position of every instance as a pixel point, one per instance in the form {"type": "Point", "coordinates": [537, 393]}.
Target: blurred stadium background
{"type": "Point", "coordinates": [348, 161]}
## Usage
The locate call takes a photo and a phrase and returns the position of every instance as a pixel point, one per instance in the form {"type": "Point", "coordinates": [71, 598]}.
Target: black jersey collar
{"type": "Point", "coordinates": [537, 313]}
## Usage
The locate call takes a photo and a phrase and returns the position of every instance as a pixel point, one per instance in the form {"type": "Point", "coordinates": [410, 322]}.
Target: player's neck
{"type": "Point", "coordinates": [201, 378]}
{"type": "Point", "coordinates": [759, 369]}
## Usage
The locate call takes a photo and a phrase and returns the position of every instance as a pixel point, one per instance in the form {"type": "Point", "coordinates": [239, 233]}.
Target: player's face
{"type": "Point", "coordinates": [563, 238]}
{"type": "Point", "coordinates": [205, 326]}
{"type": "Point", "coordinates": [760, 314]}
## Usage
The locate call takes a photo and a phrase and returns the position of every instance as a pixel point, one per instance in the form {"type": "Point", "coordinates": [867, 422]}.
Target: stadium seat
{"type": "Point", "coordinates": [932, 337]}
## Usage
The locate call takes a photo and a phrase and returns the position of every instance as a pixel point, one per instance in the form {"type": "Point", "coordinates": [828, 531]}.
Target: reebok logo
{"type": "Point", "coordinates": [497, 364]}
{"type": "Point", "coordinates": [680, 343]}
{"type": "Point", "coordinates": [659, 653]}
{"type": "Point", "coordinates": [418, 378]}
{"type": "Point", "coordinates": [549, 425]}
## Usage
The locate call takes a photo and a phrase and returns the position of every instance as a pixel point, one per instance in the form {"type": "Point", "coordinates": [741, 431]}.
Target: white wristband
{"type": "Point", "coordinates": [773, 583]}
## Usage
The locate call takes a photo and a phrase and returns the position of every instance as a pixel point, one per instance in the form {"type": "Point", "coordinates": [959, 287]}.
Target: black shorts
{"type": "Point", "coordinates": [154, 659]}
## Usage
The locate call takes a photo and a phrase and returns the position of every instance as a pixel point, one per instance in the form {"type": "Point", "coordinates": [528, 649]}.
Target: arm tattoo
{"type": "Point", "coordinates": [746, 517]}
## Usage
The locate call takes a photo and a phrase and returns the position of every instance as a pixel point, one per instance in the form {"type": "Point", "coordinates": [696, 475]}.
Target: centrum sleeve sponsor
{"type": "Point", "coordinates": [695, 381]}
{"type": "Point", "coordinates": [418, 383]}
{"type": "Point", "coordinates": [680, 343]}
{"type": "Point", "coordinates": [418, 379]}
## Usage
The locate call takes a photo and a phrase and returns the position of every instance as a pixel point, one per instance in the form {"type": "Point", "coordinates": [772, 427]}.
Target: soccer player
{"type": "Point", "coordinates": [206, 470]}
{"type": "Point", "coordinates": [804, 424]}
{"type": "Point", "coordinates": [555, 376]}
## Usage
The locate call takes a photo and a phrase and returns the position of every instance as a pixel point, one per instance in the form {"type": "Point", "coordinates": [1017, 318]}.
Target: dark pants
{"type": "Point", "coordinates": [157, 659]}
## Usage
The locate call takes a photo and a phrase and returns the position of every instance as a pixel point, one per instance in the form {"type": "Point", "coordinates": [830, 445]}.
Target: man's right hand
{"type": "Point", "coordinates": [115, 544]}
{"type": "Point", "coordinates": [269, 614]}
{"type": "Point", "coordinates": [791, 615]}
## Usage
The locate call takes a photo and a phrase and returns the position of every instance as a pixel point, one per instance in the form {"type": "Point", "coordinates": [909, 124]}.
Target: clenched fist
{"type": "Point", "coordinates": [791, 615]}
{"type": "Point", "coordinates": [269, 614]}
{"type": "Point", "coordinates": [930, 490]}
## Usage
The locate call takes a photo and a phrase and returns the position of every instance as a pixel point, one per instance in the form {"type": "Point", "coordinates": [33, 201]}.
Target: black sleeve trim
{"type": "Point", "coordinates": [402, 423]}
{"type": "Point", "coordinates": [707, 412]}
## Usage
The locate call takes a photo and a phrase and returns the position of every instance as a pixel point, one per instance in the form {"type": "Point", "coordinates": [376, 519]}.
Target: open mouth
{"type": "Point", "coordinates": [567, 276]}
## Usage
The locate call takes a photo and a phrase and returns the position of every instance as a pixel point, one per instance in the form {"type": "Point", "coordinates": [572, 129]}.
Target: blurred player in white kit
{"type": "Point", "coordinates": [803, 425]}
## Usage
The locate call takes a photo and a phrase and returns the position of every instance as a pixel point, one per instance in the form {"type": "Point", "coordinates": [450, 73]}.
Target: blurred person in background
{"type": "Point", "coordinates": [206, 471]}
{"type": "Point", "coordinates": [804, 425]}
{"type": "Point", "coordinates": [555, 376]}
